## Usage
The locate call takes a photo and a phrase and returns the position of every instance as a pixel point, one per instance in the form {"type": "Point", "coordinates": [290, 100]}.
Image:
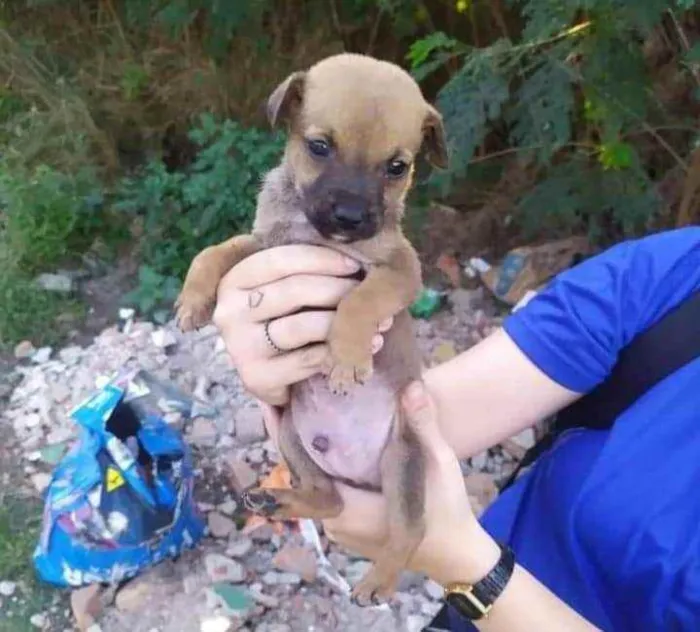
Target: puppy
{"type": "Point", "coordinates": [356, 127]}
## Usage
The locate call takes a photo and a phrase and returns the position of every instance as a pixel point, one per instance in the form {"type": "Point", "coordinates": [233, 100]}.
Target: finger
{"type": "Point", "coordinates": [272, 376]}
{"type": "Point", "coordinates": [362, 525]}
{"type": "Point", "coordinates": [298, 330]}
{"type": "Point", "coordinates": [421, 416]}
{"type": "Point", "coordinates": [290, 294]}
{"type": "Point", "coordinates": [284, 261]}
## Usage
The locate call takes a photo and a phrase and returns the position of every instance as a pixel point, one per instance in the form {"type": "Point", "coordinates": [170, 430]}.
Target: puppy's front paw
{"type": "Point", "coordinates": [193, 309]}
{"type": "Point", "coordinates": [344, 375]}
{"type": "Point", "coordinates": [375, 588]}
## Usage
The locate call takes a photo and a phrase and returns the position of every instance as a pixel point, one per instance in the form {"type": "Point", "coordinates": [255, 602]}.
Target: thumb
{"type": "Point", "coordinates": [421, 416]}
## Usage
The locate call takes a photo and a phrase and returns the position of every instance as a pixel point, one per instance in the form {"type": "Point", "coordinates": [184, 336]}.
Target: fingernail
{"type": "Point", "coordinates": [377, 343]}
{"type": "Point", "coordinates": [351, 264]}
{"type": "Point", "coordinates": [386, 325]}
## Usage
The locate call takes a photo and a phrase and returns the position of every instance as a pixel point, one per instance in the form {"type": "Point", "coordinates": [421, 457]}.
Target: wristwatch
{"type": "Point", "coordinates": [474, 601]}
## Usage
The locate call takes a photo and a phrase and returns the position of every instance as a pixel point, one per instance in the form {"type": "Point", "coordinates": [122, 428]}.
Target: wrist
{"type": "Point", "coordinates": [469, 557]}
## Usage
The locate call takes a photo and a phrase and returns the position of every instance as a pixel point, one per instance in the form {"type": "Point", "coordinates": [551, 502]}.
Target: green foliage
{"type": "Point", "coordinates": [185, 211]}
{"type": "Point", "coordinates": [48, 215]}
{"type": "Point", "coordinates": [540, 117]}
{"type": "Point", "coordinates": [565, 98]}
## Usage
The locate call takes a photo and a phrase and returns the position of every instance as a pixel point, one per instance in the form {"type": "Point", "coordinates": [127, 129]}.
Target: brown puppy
{"type": "Point", "coordinates": [356, 126]}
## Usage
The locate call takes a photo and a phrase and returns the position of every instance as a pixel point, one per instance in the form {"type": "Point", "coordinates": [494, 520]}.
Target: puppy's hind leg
{"type": "Point", "coordinates": [198, 296]}
{"type": "Point", "coordinates": [403, 483]}
{"type": "Point", "coordinates": [313, 494]}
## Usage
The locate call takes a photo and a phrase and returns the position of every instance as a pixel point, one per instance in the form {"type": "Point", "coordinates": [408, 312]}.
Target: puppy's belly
{"type": "Point", "coordinates": [345, 435]}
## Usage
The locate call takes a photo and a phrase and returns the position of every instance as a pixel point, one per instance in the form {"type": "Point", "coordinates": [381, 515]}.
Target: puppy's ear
{"type": "Point", "coordinates": [434, 141]}
{"type": "Point", "coordinates": [286, 98]}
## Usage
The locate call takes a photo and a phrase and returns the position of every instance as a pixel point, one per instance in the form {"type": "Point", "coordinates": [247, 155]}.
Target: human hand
{"type": "Point", "coordinates": [271, 286]}
{"type": "Point", "coordinates": [455, 547]}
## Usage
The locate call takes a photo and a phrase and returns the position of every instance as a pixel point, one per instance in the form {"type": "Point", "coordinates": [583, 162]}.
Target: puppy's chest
{"type": "Point", "coordinates": [345, 435]}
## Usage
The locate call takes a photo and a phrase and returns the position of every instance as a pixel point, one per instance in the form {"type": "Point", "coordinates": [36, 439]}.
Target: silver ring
{"type": "Point", "coordinates": [269, 339]}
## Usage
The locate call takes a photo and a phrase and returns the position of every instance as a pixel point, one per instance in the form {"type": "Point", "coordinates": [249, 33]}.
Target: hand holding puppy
{"type": "Point", "coordinates": [272, 285]}
{"type": "Point", "coordinates": [455, 546]}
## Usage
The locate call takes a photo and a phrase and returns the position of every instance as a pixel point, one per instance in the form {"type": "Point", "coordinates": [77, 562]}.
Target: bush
{"type": "Point", "coordinates": [185, 211]}
{"type": "Point", "coordinates": [574, 100]}
{"type": "Point", "coordinates": [48, 216]}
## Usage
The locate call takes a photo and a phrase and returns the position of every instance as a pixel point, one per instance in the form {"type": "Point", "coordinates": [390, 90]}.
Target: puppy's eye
{"type": "Point", "coordinates": [396, 168]}
{"type": "Point", "coordinates": [318, 147]}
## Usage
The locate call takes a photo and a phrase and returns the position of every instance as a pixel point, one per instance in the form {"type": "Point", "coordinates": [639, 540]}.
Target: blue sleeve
{"type": "Point", "coordinates": [575, 328]}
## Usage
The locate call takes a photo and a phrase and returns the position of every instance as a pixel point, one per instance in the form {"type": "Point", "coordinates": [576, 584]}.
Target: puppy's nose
{"type": "Point", "coordinates": [350, 212]}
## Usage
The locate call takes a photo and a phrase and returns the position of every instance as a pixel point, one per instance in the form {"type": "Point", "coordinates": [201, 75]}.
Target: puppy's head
{"type": "Point", "coordinates": [356, 126]}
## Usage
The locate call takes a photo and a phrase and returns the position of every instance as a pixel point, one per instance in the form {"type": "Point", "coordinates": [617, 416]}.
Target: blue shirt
{"type": "Point", "coordinates": [610, 520]}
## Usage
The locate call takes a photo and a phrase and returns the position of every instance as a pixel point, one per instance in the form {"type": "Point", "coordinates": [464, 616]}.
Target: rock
{"type": "Point", "coordinates": [525, 439]}
{"type": "Point", "coordinates": [24, 349]}
{"type": "Point", "coordinates": [60, 283]}
{"type": "Point", "coordinates": [443, 352]}
{"type": "Point", "coordinates": [482, 490]}
{"type": "Point", "coordinates": [338, 561]}
{"type": "Point", "coordinates": [434, 590]}
{"type": "Point", "coordinates": [222, 569]}
{"type": "Point", "coordinates": [203, 432]}
{"type": "Point", "coordinates": [86, 604]}
{"type": "Point", "coordinates": [201, 388]}
{"type": "Point", "coordinates": [241, 474]}
{"type": "Point", "coordinates": [232, 599]}
{"type": "Point", "coordinates": [273, 578]}
{"type": "Point", "coordinates": [465, 300]}
{"type": "Point", "coordinates": [268, 601]}
{"type": "Point", "coordinates": [297, 559]}
{"type": "Point", "coordinates": [357, 570]}
{"type": "Point", "coordinates": [70, 355]}
{"type": "Point", "coordinates": [220, 526]}
{"type": "Point", "coordinates": [250, 427]}
{"type": "Point", "coordinates": [42, 355]}
{"type": "Point", "coordinates": [163, 338]}
{"type": "Point", "coordinates": [41, 481]}
{"type": "Point", "coordinates": [239, 548]}
{"type": "Point", "coordinates": [60, 392]}
{"type": "Point", "coordinates": [513, 449]}
{"type": "Point", "coordinates": [228, 508]}
{"type": "Point", "coordinates": [39, 620]}
{"type": "Point", "coordinates": [133, 597]}
{"type": "Point", "coordinates": [409, 580]}
{"type": "Point", "coordinates": [95, 627]}
{"type": "Point", "coordinates": [256, 456]}
{"type": "Point", "coordinates": [478, 461]}
{"type": "Point", "coordinates": [218, 623]}
{"type": "Point", "coordinates": [7, 589]}
{"type": "Point", "coordinates": [415, 623]}
{"type": "Point", "coordinates": [262, 534]}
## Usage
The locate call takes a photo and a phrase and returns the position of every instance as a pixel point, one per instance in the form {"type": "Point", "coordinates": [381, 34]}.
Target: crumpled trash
{"type": "Point", "coordinates": [121, 499]}
{"type": "Point", "coordinates": [527, 269]}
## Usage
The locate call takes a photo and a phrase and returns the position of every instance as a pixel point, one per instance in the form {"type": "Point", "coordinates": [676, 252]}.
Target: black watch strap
{"type": "Point", "coordinates": [474, 601]}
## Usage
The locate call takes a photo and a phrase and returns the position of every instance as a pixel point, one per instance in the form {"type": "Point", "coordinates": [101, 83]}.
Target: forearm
{"type": "Point", "coordinates": [491, 392]}
{"type": "Point", "coordinates": [525, 604]}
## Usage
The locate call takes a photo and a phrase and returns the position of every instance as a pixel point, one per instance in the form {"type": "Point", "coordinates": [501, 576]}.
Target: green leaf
{"type": "Point", "coordinates": [422, 49]}
{"type": "Point", "coordinates": [616, 155]}
{"type": "Point", "coordinates": [545, 19]}
{"type": "Point", "coordinates": [472, 99]}
{"type": "Point", "coordinates": [615, 79]}
{"type": "Point", "coordinates": [541, 116]}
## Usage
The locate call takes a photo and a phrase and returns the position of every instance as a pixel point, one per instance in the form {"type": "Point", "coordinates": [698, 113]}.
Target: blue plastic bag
{"type": "Point", "coordinates": [120, 500]}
